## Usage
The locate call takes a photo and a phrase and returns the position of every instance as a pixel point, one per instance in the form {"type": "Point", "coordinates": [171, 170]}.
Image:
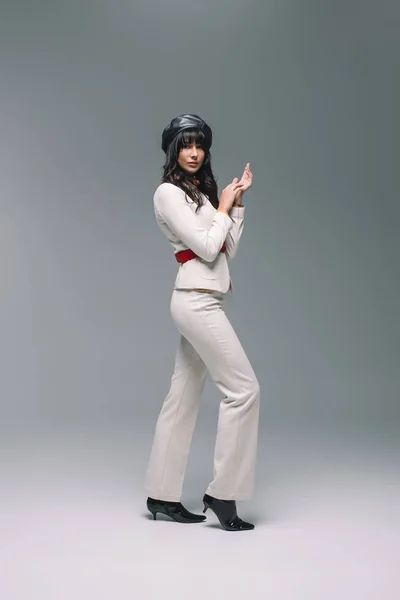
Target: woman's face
{"type": "Point", "coordinates": [191, 157]}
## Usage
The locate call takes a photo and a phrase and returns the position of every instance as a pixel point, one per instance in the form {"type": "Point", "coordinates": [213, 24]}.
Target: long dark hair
{"type": "Point", "coordinates": [201, 181]}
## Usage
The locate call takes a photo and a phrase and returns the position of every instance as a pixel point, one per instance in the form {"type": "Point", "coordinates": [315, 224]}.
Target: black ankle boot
{"type": "Point", "coordinates": [226, 513]}
{"type": "Point", "coordinates": [175, 510]}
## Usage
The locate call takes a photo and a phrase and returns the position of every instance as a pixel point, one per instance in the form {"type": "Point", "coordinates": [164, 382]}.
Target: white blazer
{"type": "Point", "coordinates": [204, 233]}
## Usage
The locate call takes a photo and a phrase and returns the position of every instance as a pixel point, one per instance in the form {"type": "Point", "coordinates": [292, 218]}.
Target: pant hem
{"type": "Point", "coordinates": [161, 496]}
{"type": "Point", "coordinates": [229, 496]}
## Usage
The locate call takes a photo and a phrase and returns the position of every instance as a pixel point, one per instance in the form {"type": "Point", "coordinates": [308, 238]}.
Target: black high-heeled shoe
{"type": "Point", "coordinates": [175, 510]}
{"type": "Point", "coordinates": [225, 510]}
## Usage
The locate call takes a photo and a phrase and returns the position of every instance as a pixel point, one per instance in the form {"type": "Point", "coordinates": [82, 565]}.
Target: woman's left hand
{"type": "Point", "coordinates": [247, 178]}
{"type": "Point", "coordinates": [246, 182]}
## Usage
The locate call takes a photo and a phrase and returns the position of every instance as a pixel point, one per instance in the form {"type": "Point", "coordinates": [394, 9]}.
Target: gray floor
{"type": "Point", "coordinates": [74, 523]}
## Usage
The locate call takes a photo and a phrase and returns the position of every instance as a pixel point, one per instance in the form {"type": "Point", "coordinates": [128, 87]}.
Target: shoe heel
{"type": "Point", "coordinates": [205, 507]}
{"type": "Point", "coordinates": [154, 515]}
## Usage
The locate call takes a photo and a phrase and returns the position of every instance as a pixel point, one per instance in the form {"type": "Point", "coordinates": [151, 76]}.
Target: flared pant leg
{"type": "Point", "coordinates": [175, 425]}
{"type": "Point", "coordinates": [208, 343]}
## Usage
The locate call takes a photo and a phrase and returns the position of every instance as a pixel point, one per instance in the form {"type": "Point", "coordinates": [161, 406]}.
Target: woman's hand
{"type": "Point", "coordinates": [229, 194]}
{"type": "Point", "coordinates": [247, 178]}
{"type": "Point", "coordinates": [245, 182]}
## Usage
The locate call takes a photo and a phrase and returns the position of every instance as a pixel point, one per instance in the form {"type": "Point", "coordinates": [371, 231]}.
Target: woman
{"type": "Point", "coordinates": [205, 232]}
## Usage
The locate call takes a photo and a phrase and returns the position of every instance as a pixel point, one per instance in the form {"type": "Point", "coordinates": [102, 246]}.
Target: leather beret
{"type": "Point", "coordinates": [186, 121]}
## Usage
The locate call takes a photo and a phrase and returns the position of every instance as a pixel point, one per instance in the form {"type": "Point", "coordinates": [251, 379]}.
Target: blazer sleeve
{"type": "Point", "coordinates": [233, 238]}
{"type": "Point", "coordinates": [171, 205]}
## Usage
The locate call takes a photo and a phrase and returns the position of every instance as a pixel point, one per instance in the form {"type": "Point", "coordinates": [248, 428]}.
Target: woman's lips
{"type": "Point", "coordinates": [193, 164]}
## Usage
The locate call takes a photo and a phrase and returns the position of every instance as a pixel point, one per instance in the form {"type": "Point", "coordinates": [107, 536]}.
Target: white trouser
{"type": "Point", "coordinates": [208, 342]}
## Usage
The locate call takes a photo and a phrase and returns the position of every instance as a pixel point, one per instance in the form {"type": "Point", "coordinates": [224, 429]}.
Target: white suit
{"type": "Point", "coordinates": [203, 232]}
{"type": "Point", "coordinates": [208, 343]}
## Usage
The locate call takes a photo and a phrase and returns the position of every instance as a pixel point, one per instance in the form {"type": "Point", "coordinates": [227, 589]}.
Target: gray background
{"type": "Point", "coordinates": [308, 91]}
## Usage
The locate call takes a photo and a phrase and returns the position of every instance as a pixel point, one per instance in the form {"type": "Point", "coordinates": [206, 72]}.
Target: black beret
{"type": "Point", "coordinates": [187, 121]}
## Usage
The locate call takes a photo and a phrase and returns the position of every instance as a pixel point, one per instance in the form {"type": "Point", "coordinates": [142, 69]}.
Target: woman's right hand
{"type": "Point", "coordinates": [228, 195]}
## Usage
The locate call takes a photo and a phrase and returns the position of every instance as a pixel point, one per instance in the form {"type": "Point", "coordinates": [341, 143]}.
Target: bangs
{"type": "Point", "coordinates": [190, 136]}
